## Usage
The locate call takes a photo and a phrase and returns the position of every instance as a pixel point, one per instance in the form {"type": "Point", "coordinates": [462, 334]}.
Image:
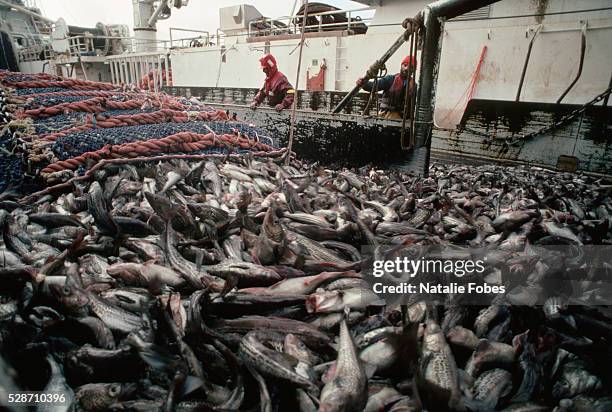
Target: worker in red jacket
{"type": "Point", "coordinates": [394, 90]}
{"type": "Point", "coordinates": [276, 88]}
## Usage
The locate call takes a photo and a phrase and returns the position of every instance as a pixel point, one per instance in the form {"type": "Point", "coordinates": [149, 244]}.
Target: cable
{"type": "Point", "coordinates": [297, 80]}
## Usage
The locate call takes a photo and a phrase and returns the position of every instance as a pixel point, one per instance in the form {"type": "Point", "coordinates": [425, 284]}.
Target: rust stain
{"type": "Point", "coordinates": [541, 6]}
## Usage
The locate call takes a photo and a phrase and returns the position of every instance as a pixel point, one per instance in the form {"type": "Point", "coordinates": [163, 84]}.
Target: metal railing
{"type": "Point", "coordinates": [85, 45]}
{"type": "Point", "coordinates": [326, 21]}
{"type": "Point", "coordinates": [202, 40]}
{"type": "Point", "coordinates": [147, 70]}
{"type": "Point", "coordinates": [37, 52]}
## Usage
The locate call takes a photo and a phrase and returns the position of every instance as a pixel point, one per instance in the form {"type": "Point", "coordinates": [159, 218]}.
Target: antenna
{"type": "Point", "coordinates": [293, 7]}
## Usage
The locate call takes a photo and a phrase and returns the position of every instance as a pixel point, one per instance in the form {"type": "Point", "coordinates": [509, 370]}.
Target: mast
{"type": "Point", "coordinates": [144, 32]}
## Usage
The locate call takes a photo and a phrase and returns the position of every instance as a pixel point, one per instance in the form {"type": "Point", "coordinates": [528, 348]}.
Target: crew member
{"type": "Point", "coordinates": [277, 89]}
{"type": "Point", "coordinates": [394, 90]}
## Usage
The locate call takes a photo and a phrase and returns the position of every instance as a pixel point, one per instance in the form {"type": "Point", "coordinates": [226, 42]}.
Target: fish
{"type": "Point", "coordinates": [241, 282]}
{"type": "Point", "coordinates": [270, 362]}
{"type": "Point", "coordinates": [98, 208]}
{"type": "Point", "coordinates": [116, 318]}
{"type": "Point", "coordinates": [57, 384]}
{"type": "Point", "coordinates": [301, 286]}
{"type": "Point", "coordinates": [347, 390]}
{"type": "Point", "coordinates": [491, 386]}
{"type": "Point", "coordinates": [100, 396]}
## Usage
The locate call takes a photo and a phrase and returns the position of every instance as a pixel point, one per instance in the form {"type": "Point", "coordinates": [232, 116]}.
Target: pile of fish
{"type": "Point", "coordinates": [242, 285]}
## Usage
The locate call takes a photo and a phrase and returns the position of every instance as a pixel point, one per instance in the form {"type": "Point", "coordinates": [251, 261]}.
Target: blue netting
{"type": "Point", "coordinates": [18, 77]}
{"type": "Point", "coordinates": [66, 121]}
{"type": "Point", "coordinates": [47, 101]}
{"type": "Point", "coordinates": [11, 172]}
{"type": "Point", "coordinates": [78, 143]}
{"type": "Point", "coordinates": [39, 90]}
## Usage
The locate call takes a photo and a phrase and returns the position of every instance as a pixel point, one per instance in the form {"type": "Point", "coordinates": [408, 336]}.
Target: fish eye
{"type": "Point", "coordinates": [66, 290]}
{"type": "Point", "coordinates": [114, 390]}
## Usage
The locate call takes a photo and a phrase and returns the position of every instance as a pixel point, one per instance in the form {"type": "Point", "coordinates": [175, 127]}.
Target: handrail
{"type": "Point", "coordinates": [191, 38]}
{"type": "Point", "coordinates": [292, 19]}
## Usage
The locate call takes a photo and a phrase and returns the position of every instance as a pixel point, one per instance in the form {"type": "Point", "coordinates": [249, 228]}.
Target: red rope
{"type": "Point", "coordinates": [469, 91]}
{"type": "Point", "coordinates": [98, 93]}
{"type": "Point", "coordinates": [66, 83]}
{"type": "Point", "coordinates": [180, 142]}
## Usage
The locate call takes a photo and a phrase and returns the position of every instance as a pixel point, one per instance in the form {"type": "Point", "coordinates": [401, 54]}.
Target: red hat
{"type": "Point", "coordinates": [407, 60]}
{"type": "Point", "coordinates": [268, 61]}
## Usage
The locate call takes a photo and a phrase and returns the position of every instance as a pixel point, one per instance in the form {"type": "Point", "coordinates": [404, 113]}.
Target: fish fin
{"type": "Point", "coordinates": [571, 321]}
{"type": "Point", "coordinates": [255, 259]}
{"type": "Point", "coordinates": [424, 362]}
{"type": "Point", "coordinates": [469, 404]}
{"type": "Point", "coordinates": [231, 281]}
{"type": "Point", "coordinates": [156, 359]}
{"type": "Point", "coordinates": [465, 377]}
{"type": "Point", "coordinates": [369, 369]}
{"type": "Point", "coordinates": [191, 384]}
{"type": "Point", "coordinates": [299, 261]}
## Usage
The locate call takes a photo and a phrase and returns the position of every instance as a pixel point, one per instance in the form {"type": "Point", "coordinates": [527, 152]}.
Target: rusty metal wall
{"type": "Point", "coordinates": [485, 125]}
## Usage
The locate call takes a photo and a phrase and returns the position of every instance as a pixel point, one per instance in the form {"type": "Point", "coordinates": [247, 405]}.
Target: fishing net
{"type": "Point", "coordinates": [51, 124]}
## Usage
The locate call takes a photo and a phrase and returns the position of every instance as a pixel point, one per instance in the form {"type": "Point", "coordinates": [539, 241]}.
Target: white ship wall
{"type": "Point", "coordinates": [554, 58]}
{"type": "Point", "coordinates": [346, 57]}
{"type": "Point", "coordinates": [38, 66]}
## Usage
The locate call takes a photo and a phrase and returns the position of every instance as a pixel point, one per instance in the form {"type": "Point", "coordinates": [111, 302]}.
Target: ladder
{"type": "Point", "coordinates": [341, 64]}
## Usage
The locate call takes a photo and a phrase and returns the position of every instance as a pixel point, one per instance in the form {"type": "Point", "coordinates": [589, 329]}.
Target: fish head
{"type": "Point", "coordinates": [99, 396]}
{"type": "Point", "coordinates": [298, 349]}
{"type": "Point", "coordinates": [271, 224]}
{"type": "Point", "coordinates": [324, 302]}
{"type": "Point", "coordinates": [70, 296]}
{"type": "Point", "coordinates": [44, 316]}
{"type": "Point", "coordinates": [121, 390]}
{"type": "Point", "coordinates": [243, 200]}
{"type": "Point", "coordinates": [334, 397]}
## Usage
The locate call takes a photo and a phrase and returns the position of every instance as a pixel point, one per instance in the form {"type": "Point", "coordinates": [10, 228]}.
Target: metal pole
{"type": "Point", "coordinates": [112, 70]}
{"type": "Point", "coordinates": [374, 69]}
{"type": "Point", "coordinates": [520, 87]}
{"type": "Point", "coordinates": [168, 69]}
{"type": "Point", "coordinates": [580, 65]}
{"type": "Point", "coordinates": [297, 82]}
{"type": "Point", "coordinates": [605, 102]}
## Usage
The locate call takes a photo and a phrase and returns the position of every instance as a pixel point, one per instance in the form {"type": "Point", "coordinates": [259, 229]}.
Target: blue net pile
{"type": "Point", "coordinates": [48, 101]}
{"type": "Point", "coordinates": [77, 143]}
{"type": "Point", "coordinates": [39, 90]}
{"type": "Point", "coordinates": [21, 77]}
{"type": "Point", "coordinates": [26, 150]}
{"type": "Point", "coordinates": [10, 159]}
{"type": "Point", "coordinates": [68, 120]}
